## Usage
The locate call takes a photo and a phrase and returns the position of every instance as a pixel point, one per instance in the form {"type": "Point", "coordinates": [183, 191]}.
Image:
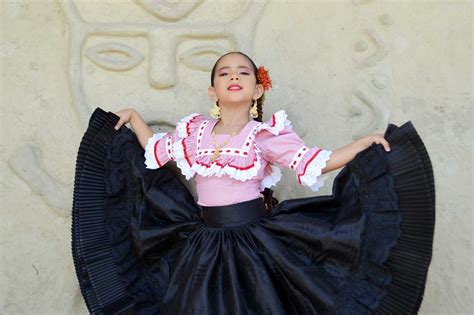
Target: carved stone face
{"type": "Point", "coordinates": [157, 66]}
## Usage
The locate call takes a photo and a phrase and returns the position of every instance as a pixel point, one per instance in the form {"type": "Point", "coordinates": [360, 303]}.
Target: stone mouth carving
{"type": "Point", "coordinates": [167, 10]}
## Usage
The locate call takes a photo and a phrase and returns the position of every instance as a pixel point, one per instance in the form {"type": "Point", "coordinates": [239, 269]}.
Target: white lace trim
{"type": "Point", "coordinates": [295, 161]}
{"type": "Point", "coordinates": [312, 176]}
{"type": "Point", "coordinates": [233, 172]}
{"type": "Point", "coordinates": [224, 151]}
{"type": "Point", "coordinates": [150, 159]}
{"type": "Point", "coordinates": [182, 125]}
{"type": "Point", "coordinates": [272, 179]}
{"type": "Point", "coordinates": [181, 160]}
{"type": "Point", "coordinates": [169, 148]}
{"type": "Point", "coordinates": [200, 131]}
{"type": "Point", "coordinates": [277, 123]}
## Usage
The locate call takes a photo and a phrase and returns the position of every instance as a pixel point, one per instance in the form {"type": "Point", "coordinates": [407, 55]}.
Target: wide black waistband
{"type": "Point", "coordinates": [235, 214]}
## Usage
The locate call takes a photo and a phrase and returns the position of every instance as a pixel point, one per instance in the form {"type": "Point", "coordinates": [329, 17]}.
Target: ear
{"type": "Point", "coordinates": [212, 94]}
{"type": "Point", "coordinates": [258, 91]}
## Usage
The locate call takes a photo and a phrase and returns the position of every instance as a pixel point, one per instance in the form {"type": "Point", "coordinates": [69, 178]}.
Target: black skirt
{"type": "Point", "coordinates": [142, 245]}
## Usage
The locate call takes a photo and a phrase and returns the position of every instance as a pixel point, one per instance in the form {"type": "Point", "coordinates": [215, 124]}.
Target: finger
{"type": "Point", "coordinates": [386, 145]}
{"type": "Point", "coordinates": [119, 124]}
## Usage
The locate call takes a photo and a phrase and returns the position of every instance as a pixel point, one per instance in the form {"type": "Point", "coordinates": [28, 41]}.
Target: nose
{"type": "Point", "coordinates": [234, 76]}
{"type": "Point", "coordinates": [162, 68]}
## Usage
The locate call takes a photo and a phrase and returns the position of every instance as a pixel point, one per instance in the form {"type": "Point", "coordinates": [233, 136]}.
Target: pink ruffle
{"type": "Point", "coordinates": [276, 123]}
{"type": "Point", "coordinates": [271, 176]}
{"type": "Point", "coordinates": [156, 154]}
{"type": "Point", "coordinates": [245, 167]}
{"type": "Point", "coordinates": [238, 167]}
{"type": "Point", "coordinates": [309, 170]}
{"type": "Point", "coordinates": [185, 145]}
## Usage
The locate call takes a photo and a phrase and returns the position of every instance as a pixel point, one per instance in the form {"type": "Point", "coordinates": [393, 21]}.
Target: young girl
{"type": "Point", "coordinates": [142, 244]}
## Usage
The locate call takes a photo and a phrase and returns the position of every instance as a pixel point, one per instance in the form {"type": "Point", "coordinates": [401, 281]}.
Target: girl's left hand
{"type": "Point", "coordinates": [378, 139]}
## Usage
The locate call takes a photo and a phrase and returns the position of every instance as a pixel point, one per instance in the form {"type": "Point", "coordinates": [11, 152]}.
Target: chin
{"type": "Point", "coordinates": [238, 102]}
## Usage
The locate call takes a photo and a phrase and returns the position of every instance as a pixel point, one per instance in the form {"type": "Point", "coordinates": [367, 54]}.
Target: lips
{"type": "Point", "coordinates": [234, 87]}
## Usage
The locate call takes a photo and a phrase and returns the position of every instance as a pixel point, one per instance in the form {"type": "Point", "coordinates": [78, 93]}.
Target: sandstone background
{"type": "Point", "coordinates": [341, 70]}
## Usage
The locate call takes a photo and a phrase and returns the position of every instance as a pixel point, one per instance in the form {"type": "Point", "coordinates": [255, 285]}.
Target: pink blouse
{"type": "Point", "coordinates": [248, 164]}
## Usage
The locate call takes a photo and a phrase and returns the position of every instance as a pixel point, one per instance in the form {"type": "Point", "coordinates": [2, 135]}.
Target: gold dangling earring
{"type": "Point", "coordinates": [215, 111]}
{"type": "Point", "coordinates": [253, 110]}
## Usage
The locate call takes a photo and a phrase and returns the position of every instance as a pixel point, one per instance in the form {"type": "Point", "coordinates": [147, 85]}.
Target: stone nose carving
{"type": "Point", "coordinates": [162, 67]}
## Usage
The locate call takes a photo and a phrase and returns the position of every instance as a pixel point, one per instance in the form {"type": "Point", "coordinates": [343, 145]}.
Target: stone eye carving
{"type": "Point", "coordinates": [202, 57]}
{"type": "Point", "coordinates": [114, 56]}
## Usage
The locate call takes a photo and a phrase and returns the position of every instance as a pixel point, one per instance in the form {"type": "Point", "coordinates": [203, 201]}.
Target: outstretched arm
{"type": "Point", "coordinates": [340, 157]}
{"type": "Point", "coordinates": [139, 126]}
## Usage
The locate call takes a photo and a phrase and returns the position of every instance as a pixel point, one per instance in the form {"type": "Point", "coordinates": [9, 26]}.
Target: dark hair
{"type": "Point", "coordinates": [270, 201]}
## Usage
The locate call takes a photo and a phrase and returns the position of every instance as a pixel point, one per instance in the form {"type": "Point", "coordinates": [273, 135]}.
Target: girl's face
{"type": "Point", "coordinates": [235, 82]}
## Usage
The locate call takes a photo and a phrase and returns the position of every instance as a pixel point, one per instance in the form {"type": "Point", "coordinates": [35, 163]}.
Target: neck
{"type": "Point", "coordinates": [234, 115]}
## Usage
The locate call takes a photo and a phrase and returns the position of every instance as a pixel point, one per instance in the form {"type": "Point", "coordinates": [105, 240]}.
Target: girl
{"type": "Point", "coordinates": [142, 244]}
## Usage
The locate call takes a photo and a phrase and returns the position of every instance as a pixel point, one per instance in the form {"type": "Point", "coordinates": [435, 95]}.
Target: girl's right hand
{"type": "Point", "coordinates": [125, 117]}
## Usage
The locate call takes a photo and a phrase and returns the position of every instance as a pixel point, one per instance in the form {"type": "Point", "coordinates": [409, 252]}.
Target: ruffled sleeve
{"type": "Point", "coordinates": [179, 145]}
{"type": "Point", "coordinates": [188, 136]}
{"type": "Point", "coordinates": [158, 150]}
{"type": "Point", "coordinates": [280, 145]}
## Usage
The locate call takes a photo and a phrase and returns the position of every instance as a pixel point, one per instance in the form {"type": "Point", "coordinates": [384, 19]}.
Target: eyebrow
{"type": "Point", "coordinates": [229, 67]}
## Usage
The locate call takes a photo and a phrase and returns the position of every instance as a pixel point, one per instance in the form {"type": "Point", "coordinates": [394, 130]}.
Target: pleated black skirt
{"type": "Point", "coordinates": [141, 245]}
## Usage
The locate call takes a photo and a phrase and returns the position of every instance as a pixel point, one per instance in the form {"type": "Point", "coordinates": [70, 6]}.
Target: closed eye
{"type": "Point", "coordinates": [223, 74]}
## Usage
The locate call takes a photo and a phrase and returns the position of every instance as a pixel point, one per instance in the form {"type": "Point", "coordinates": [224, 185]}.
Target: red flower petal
{"type": "Point", "coordinates": [264, 78]}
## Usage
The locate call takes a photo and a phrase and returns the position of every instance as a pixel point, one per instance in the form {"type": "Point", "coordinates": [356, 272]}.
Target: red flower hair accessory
{"type": "Point", "coordinates": [264, 78]}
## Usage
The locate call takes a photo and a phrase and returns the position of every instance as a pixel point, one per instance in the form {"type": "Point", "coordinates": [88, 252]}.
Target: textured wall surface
{"type": "Point", "coordinates": [354, 65]}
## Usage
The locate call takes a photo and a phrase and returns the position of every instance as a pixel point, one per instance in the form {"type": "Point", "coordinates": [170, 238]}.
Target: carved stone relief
{"type": "Point", "coordinates": [371, 88]}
